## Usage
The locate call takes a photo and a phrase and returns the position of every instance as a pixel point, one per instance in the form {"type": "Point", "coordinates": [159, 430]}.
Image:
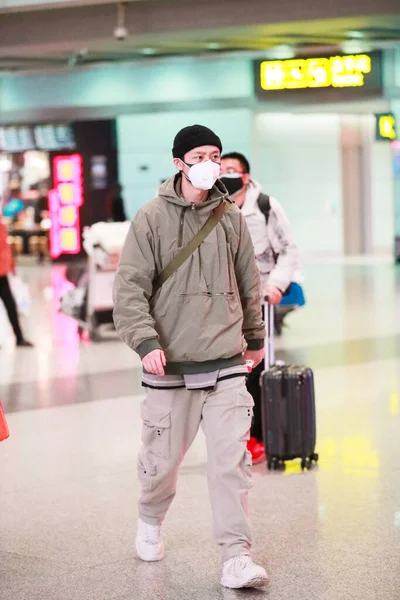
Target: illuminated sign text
{"type": "Point", "coordinates": [337, 71]}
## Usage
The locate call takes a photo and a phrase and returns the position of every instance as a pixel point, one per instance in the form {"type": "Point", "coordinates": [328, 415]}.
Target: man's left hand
{"type": "Point", "coordinates": [274, 294]}
{"type": "Point", "coordinates": [256, 356]}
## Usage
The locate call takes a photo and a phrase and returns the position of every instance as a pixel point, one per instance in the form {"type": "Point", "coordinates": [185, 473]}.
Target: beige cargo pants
{"type": "Point", "coordinates": [171, 420]}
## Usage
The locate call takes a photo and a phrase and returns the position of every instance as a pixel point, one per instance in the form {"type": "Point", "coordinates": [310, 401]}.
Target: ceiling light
{"type": "Point", "coordinates": [214, 46]}
{"type": "Point", "coordinates": [148, 51]}
{"type": "Point", "coordinates": [282, 51]}
{"type": "Point", "coordinates": [356, 47]}
{"type": "Point", "coordinates": [356, 35]}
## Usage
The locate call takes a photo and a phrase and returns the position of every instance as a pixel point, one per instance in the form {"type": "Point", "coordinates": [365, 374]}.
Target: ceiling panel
{"type": "Point", "coordinates": [99, 44]}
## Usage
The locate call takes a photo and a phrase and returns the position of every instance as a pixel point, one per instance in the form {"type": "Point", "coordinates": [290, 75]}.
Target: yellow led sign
{"type": "Point", "coordinates": [386, 127]}
{"type": "Point", "coordinates": [337, 71]}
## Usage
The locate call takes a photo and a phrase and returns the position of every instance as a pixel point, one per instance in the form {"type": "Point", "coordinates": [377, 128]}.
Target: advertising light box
{"type": "Point", "coordinates": [349, 76]}
{"type": "Point", "coordinates": [385, 127]}
{"type": "Point", "coordinates": [65, 200]}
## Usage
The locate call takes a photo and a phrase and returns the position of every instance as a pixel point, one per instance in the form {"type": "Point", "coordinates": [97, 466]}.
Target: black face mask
{"type": "Point", "coordinates": [233, 183]}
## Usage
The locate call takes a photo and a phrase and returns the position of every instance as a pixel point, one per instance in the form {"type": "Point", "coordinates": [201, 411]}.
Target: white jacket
{"type": "Point", "coordinates": [271, 241]}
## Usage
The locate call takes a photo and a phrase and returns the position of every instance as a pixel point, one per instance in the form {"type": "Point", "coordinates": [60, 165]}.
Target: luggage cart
{"type": "Point", "coordinates": [99, 300]}
{"type": "Point", "coordinates": [90, 303]}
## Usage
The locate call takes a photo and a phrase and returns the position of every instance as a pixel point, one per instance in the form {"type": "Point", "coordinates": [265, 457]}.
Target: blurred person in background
{"type": "Point", "coordinates": [115, 203]}
{"type": "Point", "coordinates": [276, 254]}
{"type": "Point", "coordinates": [7, 266]}
{"type": "Point", "coordinates": [41, 213]}
{"type": "Point", "coordinates": [190, 335]}
{"type": "Point", "coordinates": [13, 207]}
{"type": "Point", "coordinates": [41, 207]}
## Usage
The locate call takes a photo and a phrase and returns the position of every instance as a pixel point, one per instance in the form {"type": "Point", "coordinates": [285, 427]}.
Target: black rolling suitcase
{"type": "Point", "coordinates": [288, 407]}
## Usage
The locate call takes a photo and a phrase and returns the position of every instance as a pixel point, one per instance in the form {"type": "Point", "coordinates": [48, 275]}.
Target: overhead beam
{"type": "Point", "coordinates": [62, 27]}
{"type": "Point", "coordinates": [8, 6]}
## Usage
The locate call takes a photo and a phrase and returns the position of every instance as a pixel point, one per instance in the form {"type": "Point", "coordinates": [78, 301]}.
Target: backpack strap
{"type": "Point", "coordinates": [264, 205]}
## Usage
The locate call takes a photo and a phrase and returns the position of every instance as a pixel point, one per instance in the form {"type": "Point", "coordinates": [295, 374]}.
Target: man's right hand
{"type": "Point", "coordinates": [154, 362]}
{"type": "Point", "coordinates": [255, 356]}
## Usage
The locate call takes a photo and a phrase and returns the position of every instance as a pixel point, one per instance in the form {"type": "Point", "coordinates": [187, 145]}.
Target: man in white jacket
{"type": "Point", "coordinates": [276, 253]}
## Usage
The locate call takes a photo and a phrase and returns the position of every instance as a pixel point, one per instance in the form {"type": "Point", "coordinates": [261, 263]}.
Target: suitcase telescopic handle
{"type": "Point", "coordinates": [269, 341]}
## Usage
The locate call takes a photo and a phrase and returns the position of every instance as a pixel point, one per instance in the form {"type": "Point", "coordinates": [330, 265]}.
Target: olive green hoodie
{"type": "Point", "coordinates": [209, 308]}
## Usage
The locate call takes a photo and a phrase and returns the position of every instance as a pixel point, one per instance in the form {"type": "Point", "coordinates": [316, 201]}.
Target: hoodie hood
{"type": "Point", "coordinates": [170, 191]}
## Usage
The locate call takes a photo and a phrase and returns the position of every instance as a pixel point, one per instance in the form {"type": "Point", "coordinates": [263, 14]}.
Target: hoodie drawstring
{"type": "Point", "coordinates": [181, 223]}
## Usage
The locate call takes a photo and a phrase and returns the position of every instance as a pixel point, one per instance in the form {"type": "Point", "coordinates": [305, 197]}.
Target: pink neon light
{"type": "Point", "coordinates": [67, 171]}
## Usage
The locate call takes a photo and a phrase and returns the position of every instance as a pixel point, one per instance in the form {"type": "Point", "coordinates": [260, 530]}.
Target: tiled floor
{"type": "Point", "coordinates": [68, 487]}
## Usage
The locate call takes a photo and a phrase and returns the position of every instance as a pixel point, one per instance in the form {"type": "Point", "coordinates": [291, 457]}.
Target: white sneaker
{"type": "Point", "coordinates": [241, 572]}
{"type": "Point", "coordinates": [149, 543]}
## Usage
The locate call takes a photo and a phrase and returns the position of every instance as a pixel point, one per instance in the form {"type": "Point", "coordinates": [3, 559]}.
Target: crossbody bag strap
{"type": "Point", "coordinates": [264, 204]}
{"type": "Point", "coordinates": [192, 246]}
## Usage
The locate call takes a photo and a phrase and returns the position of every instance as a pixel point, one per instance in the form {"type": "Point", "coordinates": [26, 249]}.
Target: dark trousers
{"type": "Point", "coordinates": [11, 308]}
{"type": "Point", "coordinates": [253, 387]}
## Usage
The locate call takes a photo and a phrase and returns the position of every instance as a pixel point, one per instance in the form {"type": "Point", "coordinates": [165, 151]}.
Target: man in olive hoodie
{"type": "Point", "coordinates": [193, 334]}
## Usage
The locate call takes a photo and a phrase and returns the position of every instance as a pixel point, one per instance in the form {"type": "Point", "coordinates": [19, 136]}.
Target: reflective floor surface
{"type": "Point", "coordinates": [68, 488]}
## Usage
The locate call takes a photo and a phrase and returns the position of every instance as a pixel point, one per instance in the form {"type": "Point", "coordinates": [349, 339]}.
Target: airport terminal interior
{"type": "Point", "coordinates": [92, 95]}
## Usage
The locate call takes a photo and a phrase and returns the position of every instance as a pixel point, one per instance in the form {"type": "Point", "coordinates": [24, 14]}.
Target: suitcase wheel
{"type": "Point", "coordinates": [315, 457]}
{"type": "Point", "coordinates": [276, 464]}
{"type": "Point", "coordinates": [306, 463]}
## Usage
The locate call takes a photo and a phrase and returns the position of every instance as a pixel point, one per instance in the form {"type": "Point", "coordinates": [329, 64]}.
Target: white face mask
{"type": "Point", "coordinates": [203, 175]}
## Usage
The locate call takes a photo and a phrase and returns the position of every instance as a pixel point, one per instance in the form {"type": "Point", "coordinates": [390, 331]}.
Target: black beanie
{"type": "Point", "coordinates": [193, 137]}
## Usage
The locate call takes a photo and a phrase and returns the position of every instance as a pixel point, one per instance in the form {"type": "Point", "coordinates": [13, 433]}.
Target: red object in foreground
{"type": "Point", "coordinates": [4, 431]}
{"type": "Point", "coordinates": [256, 450]}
